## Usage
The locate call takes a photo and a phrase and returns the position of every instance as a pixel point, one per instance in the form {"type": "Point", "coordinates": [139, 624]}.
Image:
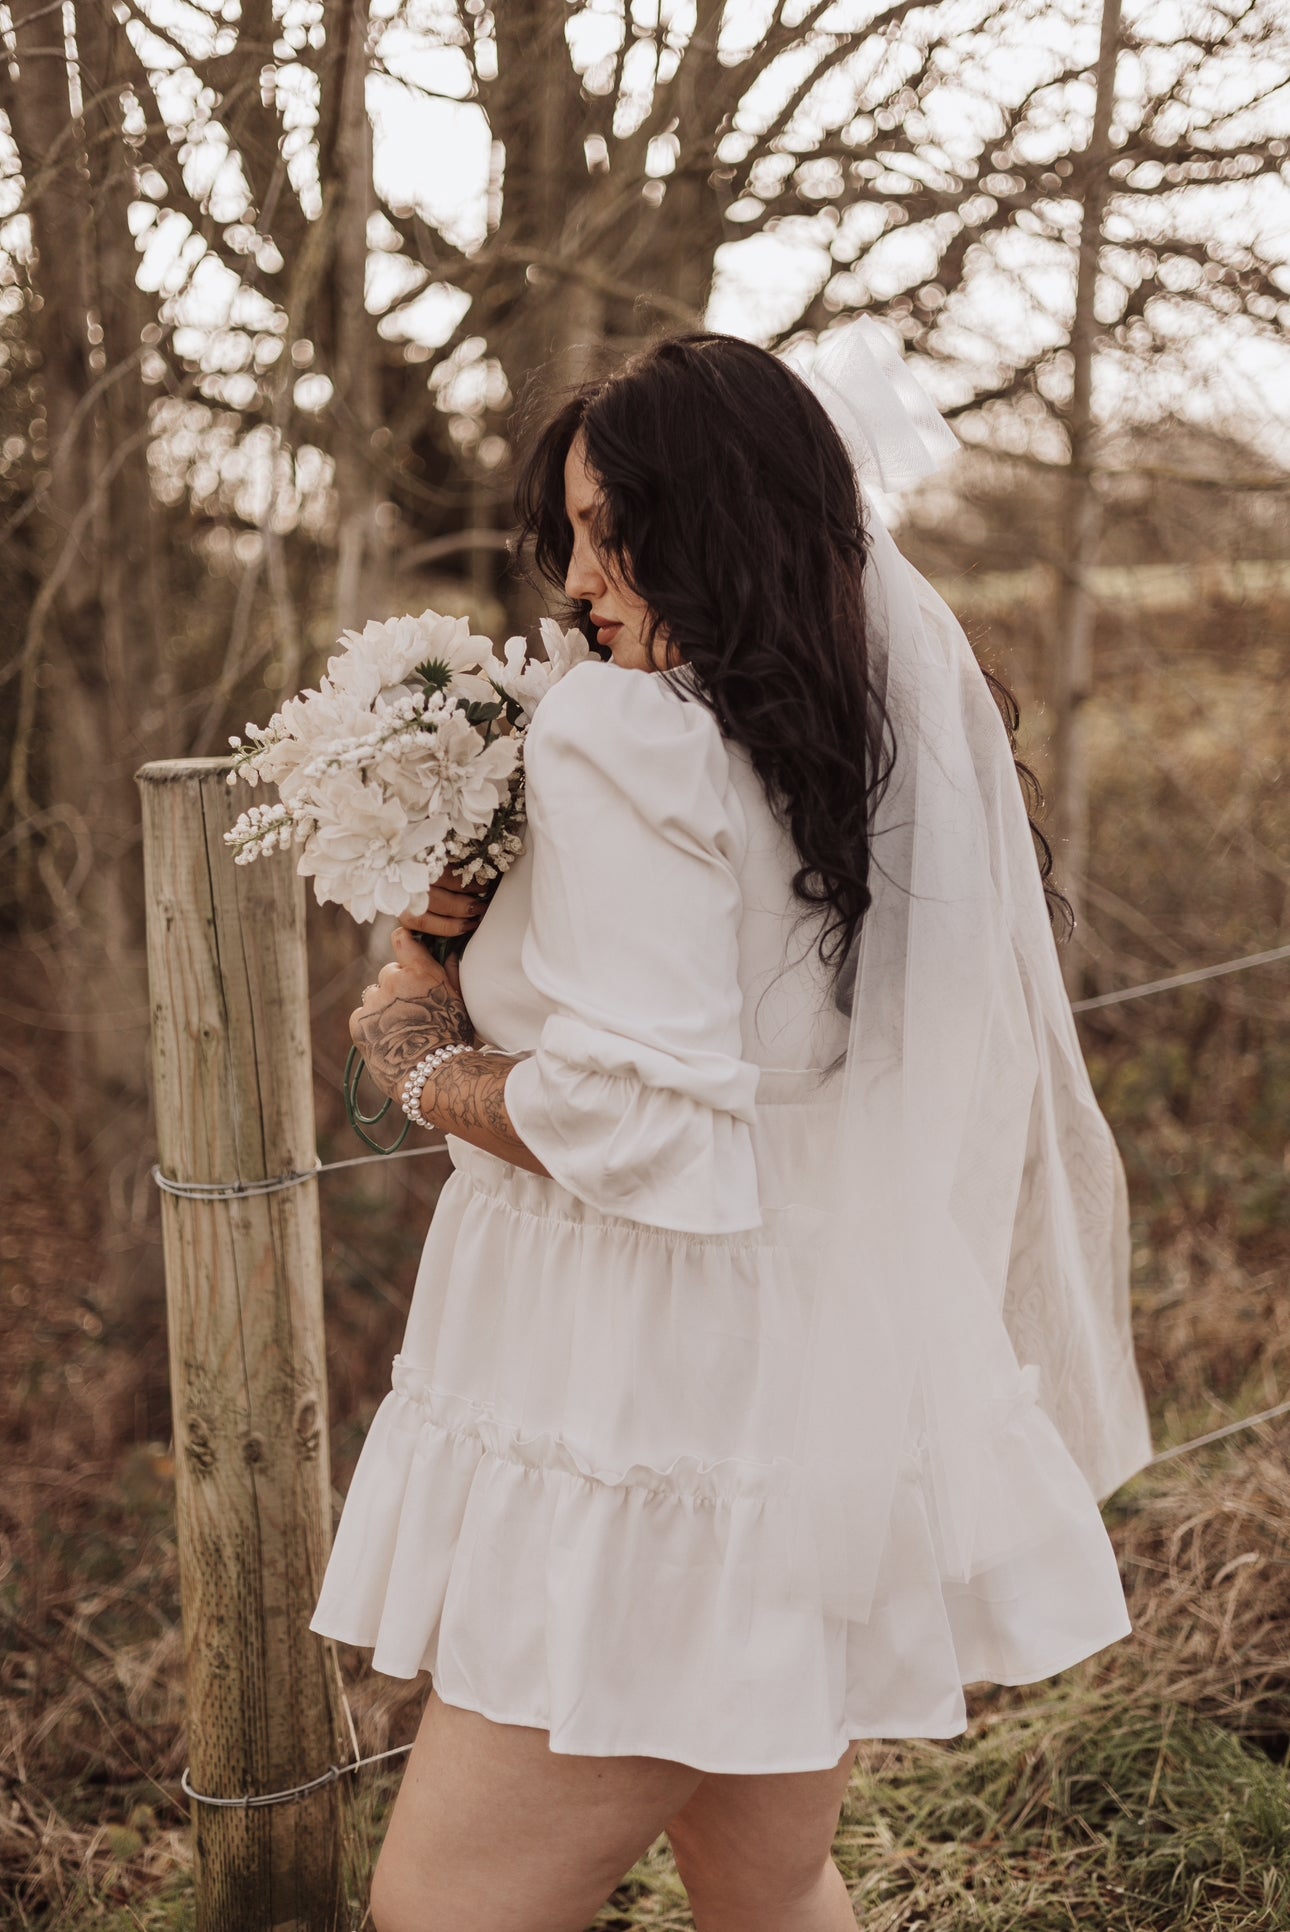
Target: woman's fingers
{"type": "Point", "coordinates": [450, 889]}
{"type": "Point", "coordinates": [409, 951]}
{"type": "Point", "coordinates": [416, 960]}
{"type": "Point", "coordinates": [449, 912]}
{"type": "Point", "coordinates": [452, 879]}
{"type": "Point", "coordinates": [407, 946]}
{"type": "Point", "coordinates": [437, 926]}
{"type": "Point", "coordinates": [412, 973]}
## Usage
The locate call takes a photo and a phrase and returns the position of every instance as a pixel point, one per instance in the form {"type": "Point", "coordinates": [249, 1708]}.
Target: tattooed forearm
{"type": "Point", "coordinates": [466, 1096]}
{"type": "Point", "coordinates": [393, 1037]}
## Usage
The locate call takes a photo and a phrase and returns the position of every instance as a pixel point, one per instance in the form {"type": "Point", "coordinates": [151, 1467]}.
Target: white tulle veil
{"type": "Point", "coordinates": [973, 1255]}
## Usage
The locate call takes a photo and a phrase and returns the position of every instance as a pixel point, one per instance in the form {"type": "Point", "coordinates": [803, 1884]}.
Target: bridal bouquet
{"type": "Point", "coordinates": [407, 759]}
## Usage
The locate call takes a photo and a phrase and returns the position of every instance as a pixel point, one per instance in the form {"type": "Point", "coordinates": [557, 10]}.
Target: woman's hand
{"type": "Point", "coordinates": [454, 908]}
{"type": "Point", "coordinates": [414, 1007]}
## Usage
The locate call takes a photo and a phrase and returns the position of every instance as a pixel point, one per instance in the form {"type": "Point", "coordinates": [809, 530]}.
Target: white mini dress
{"type": "Point", "coordinates": [571, 1508]}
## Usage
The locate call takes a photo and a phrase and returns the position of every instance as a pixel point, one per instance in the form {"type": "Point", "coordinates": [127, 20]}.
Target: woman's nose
{"type": "Point", "coordinates": [583, 581]}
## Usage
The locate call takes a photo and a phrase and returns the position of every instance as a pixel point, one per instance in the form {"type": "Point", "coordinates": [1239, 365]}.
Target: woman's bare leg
{"type": "Point", "coordinates": [492, 1831]}
{"type": "Point", "coordinates": [755, 1853]}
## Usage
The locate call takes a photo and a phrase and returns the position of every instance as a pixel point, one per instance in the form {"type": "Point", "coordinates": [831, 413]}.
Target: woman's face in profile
{"type": "Point", "coordinates": [619, 614]}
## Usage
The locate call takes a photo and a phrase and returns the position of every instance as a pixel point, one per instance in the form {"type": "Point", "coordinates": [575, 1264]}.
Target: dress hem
{"type": "Point", "coordinates": [463, 1702]}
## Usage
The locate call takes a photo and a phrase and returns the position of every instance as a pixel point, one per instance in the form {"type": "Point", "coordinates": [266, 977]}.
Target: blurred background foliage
{"type": "Point", "coordinates": [281, 285]}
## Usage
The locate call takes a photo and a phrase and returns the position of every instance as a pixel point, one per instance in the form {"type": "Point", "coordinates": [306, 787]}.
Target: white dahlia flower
{"type": "Point", "coordinates": [365, 853]}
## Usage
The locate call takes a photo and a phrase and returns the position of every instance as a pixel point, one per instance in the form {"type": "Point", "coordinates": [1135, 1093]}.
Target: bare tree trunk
{"type": "Point", "coordinates": [92, 647]}
{"type": "Point", "coordinates": [535, 111]}
{"type": "Point", "coordinates": [49, 144]}
{"type": "Point", "coordinates": [357, 406]}
{"type": "Point", "coordinates": [1081, 525]}
{"type": "Point", "coordinates": [137, 696]}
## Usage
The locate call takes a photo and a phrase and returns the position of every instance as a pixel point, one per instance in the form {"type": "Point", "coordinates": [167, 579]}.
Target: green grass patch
{"type": "Point", "coordinates": [1078, 1809]}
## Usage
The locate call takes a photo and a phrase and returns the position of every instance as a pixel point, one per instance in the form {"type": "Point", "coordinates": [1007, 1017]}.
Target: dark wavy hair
{"type": "Point", "coordinates": [728, 502]}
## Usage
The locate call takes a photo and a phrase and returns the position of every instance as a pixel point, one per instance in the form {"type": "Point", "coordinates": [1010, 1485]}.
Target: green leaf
{"type": "Point", "coordinates": [503, 694]}
{"type": "Point", "coordinates": [435, 673]}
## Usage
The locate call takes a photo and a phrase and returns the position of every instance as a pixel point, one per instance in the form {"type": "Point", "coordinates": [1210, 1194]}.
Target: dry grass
{"type": "Point", "coordinates": [1145, 1788]}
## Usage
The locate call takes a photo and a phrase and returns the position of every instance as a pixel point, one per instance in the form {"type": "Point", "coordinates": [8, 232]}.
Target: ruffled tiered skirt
{"type": "Point", "coordinates": [573, 1510]}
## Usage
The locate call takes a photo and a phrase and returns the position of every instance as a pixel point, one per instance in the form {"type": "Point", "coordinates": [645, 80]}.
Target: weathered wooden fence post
{"type": "Point", "coordinates": [231, 1058]}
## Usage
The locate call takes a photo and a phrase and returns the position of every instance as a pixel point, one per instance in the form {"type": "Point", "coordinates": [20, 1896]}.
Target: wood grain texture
{"type": "Point", "coordinates": [231, 1058]}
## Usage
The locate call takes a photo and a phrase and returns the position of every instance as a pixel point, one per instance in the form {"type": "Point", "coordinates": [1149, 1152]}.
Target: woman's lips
{"type": "Point", "coordinates": [605, 631]}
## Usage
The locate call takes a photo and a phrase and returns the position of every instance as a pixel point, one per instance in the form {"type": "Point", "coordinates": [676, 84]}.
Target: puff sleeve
{"type": "Point", "coordinates": [637, 1098]}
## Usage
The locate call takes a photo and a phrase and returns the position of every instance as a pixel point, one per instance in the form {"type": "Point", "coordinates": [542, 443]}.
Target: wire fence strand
{"type": "Point", "coordinates": [232, 1190]}
{"type": "Point", "coordinates": [1182, 979]}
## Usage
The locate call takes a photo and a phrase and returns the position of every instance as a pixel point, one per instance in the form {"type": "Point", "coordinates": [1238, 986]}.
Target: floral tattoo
{"type": "Point", "coordinates": [466, 1095]}
{"type": "Point", "coordinates": [392, 1037]}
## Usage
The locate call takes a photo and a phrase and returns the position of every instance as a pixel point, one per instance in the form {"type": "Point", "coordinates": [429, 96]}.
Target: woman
{"type": "Point", "coordinates": [714, 1446]}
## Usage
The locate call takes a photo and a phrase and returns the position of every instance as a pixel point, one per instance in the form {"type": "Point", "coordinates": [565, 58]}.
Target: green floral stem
{"type": "Point", "coordinates": [358, 1120]}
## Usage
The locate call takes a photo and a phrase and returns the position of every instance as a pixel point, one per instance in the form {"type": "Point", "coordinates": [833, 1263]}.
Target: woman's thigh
{"type": "Point", "coordinates": [760, 1839]}
{"type": "Point", "coordinates": [492, 1831]}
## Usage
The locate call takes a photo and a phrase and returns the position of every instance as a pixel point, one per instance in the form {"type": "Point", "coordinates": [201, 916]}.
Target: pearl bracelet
{"type": "Point", "coordinates": [420, 1074]}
